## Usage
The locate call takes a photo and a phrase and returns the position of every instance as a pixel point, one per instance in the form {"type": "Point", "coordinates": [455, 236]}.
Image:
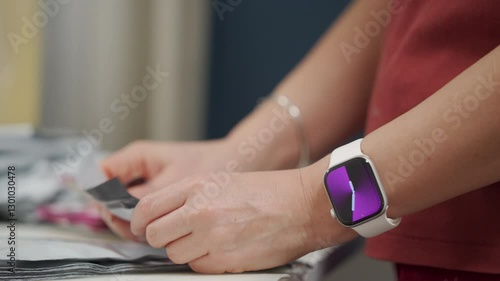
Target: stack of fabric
{"type": "Point", "coordinates": [55, 235]}
{"type": "Point", "coordinates": [39, 258]}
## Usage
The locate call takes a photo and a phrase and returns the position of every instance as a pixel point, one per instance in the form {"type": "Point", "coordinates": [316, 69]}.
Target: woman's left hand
{"type": "Point", "coordinates": [225, 222]}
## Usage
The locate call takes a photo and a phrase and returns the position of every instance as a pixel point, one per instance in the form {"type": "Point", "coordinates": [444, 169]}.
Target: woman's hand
{"type": "Point", "coordinates": [161, 164]}
{"type": "Point", "coordinates": [239, 222]}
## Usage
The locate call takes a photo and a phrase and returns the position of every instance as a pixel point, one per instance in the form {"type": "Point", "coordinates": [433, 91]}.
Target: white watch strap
{"type": "Point", "coordinates": [346, 152]}
{"type": "Point", "coordinates": [379, 224]}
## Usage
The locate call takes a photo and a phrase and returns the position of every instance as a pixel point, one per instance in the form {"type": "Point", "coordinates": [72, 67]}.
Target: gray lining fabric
{"type": "Point", "coordinates": [114, 195]}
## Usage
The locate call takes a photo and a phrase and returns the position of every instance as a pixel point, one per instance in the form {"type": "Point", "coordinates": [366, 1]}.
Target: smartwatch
{"type": "Point", "coordinates": [356, 192]}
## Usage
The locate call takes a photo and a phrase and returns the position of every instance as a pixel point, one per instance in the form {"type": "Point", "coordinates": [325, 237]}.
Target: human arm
{"type": "Point", "coordinates": [331, 90]}
{"type": "Point", "coordinates": [449, 143]}
{"type": "Point", "coordinates": [463, 121]}
{"type": "Point", "coordinates": [316, 85]}
{"type": "Point", "coordinates": [260, 220]}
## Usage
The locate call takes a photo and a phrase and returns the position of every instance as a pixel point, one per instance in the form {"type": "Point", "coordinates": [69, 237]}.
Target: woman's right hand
{"type": "Point", "coordinates": [160, 164]}
{"type": "Point", "coordinates": [163, 163]}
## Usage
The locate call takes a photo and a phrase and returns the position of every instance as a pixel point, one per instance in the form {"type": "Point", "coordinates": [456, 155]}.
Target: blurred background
{"type": "Point", "coordinates": [64, 63]}
{"type": "Point", "coordinates": [151, 69]}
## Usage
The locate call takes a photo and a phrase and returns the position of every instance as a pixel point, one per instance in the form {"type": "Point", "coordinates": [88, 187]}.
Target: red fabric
{"type": "Point", "coordinates": [426, 45]}
{"type": "Point", "coordinates": [419, 273]}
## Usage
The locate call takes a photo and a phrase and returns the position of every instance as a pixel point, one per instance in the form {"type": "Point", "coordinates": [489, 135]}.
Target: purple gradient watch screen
{"type": "Point", "coordinates": [353, 191]}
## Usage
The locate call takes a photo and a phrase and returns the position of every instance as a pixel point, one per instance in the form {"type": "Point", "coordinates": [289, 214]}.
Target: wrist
{"type": "Point", "coordinates": [379, 155]}
{"type": "Point", "coordinates": [268, 139]}
{"type": "Point", "coordinates": [323, 230]}
{"type": "Point", "coordinates": [356, 192]}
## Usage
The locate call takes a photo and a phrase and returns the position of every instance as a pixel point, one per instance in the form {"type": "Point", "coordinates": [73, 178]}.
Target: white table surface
{"type": "Point", "coordinates": [82, 234]}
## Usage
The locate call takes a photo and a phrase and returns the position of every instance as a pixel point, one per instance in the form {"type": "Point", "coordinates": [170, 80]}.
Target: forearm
{"type": "Point", "coordinates": [444, 147]}
{"type": "Point", "coordinates": [331, 90]}
{"type": "Point", "coordinates": [460, 125]}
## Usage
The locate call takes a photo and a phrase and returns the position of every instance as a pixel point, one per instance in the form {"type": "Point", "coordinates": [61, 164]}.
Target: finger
{"type": "Point", "coordinates": [168, 228]}
{"type": "Point", "coordinates": [157, 204]}
{"type": "Point", "coordinates": [186, 249]}
{"type": "Point", "coordinates": [140, 190]}
{"type": "Point", "coordinates": [159, 181]}
{"type": "Point", "coordinates": [117, 225]}
{"type": "Point", "coordinates": [207, 265]}
{"type": "Point", "coordinates": [139, 159]}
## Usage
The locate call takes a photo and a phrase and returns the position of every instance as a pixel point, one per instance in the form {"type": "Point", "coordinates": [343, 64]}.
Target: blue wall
{"type": "Point", "coordinates": [255, 44]}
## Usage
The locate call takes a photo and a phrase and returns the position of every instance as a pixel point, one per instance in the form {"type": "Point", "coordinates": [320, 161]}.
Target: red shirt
{"type": "Point", "coordinates": [426, 45]}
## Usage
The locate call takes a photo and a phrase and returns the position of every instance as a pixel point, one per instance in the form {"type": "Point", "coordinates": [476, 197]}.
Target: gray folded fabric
{"type": "Point", "coordinates": [42, 258]}
{"type": "Point", "coordinates": [37, 249]}
{"type": "Point", "coordinates": [65, 269]}
{"type": "Point", "coordinates": [114, 195]}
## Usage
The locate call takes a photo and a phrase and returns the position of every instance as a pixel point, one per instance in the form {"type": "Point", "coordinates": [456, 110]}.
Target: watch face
{"type": "Point", "coordinates": [353, 191]}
